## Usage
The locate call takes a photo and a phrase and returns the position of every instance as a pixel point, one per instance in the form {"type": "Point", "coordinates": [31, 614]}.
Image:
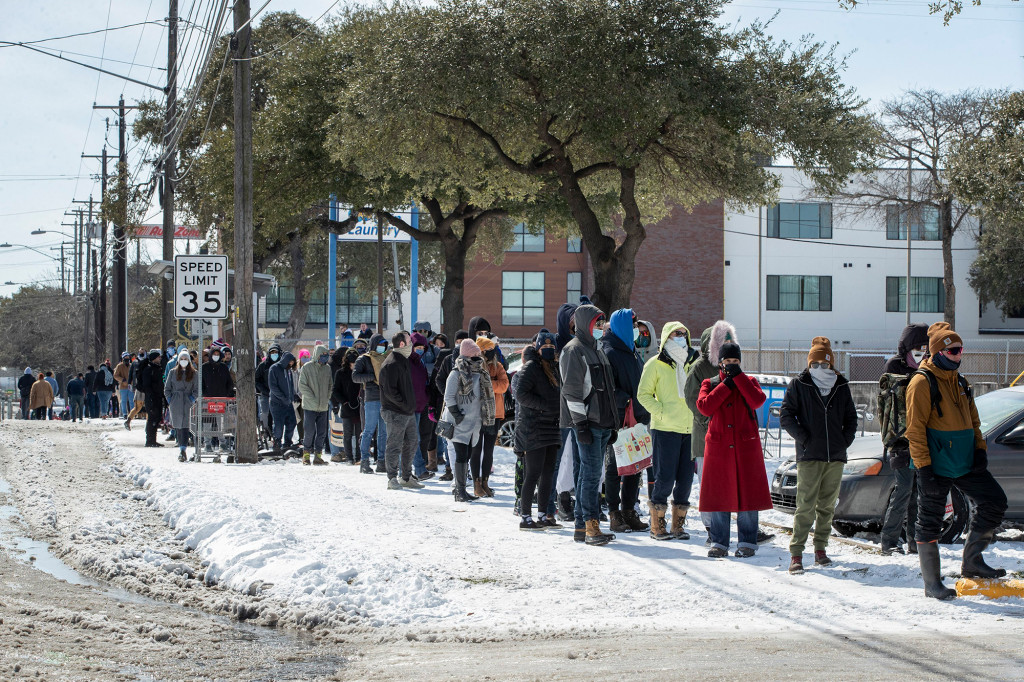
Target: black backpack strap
{"type": "Point", "coordinates": [964, 384]}
{"type": "Point", "coordinates": [933, 386]}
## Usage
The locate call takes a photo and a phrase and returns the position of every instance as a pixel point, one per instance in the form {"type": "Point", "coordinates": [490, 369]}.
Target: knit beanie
{"type": "Point", "coordinates": [469, 349]}
{"type": "Point", "coordinates": [821, 351]}
{"type": "Point", "coordinates": [729, 351]}
{"type": "Point", "coordinates": [940, 337]}
{"type": "Point", "coordinates": [544, 336]}
{"type": "Point", "coordinates": [484, 343]}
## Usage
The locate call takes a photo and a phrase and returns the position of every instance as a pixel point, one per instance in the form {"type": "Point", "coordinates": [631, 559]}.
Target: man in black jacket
{"type": "Point", "coordinates": [151, 382]}
{"type": "Point", "coordinates": [398, 409]}
{"type": "Point", "coordinates": [25, 389]}
{"type": "Point", "coordinates": [263, 384]}
{"type": "Point", "coordinates": [92, 399]}
{"type": "Point", "coordinates": [910, 352]}
{"type": "Point", "coordinates": [819, 413]}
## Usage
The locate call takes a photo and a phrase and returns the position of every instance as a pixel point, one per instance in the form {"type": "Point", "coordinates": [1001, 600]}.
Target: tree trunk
{"type": "Point", "coordinates": [946, 226]}
{"type": "Point", "coordinates": [452, 296]}
{"type": "Point", "coordinates": [297, 320]}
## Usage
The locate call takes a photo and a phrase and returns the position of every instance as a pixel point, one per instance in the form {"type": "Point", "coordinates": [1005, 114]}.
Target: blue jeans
{"type": "Point", "coordinates": [374, 422]}
{"type": "Point", "coordinates": [92, 406]}
{"type": "Point", "coordinates": [746, 527]}
{"type": "Point", "coordinates": [335, 450]}
{"type": "Point", "coordinates": [705, 517]}
{"type": "Point", "coordinates": [104, 402]}
{"type": "Point", "coordinates": [673, 467]}
{"type": "Point", "coordinates": [77, 407]}
{"type": "Point", "coordinates": [284, 421]}
{"type": "Point", "coordinates": [419, 462]}
{"type": "Point", "coordinates": [588, 475]}
{"type": "Point", "coordinates": [126, 400]}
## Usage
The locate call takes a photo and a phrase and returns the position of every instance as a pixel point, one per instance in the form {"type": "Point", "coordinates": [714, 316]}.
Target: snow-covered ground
{"type": "Point", "coordinates": [341, 550]}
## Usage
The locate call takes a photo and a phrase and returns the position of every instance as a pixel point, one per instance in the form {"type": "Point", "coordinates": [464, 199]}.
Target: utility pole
{"type": "Point", "coordinates": [72, 286]}
{"type": "Point", "coordinates": [244, 341]}
{"type": "Point", "coordinates": [101, 308]}
{"type": "Point", "coordinates": [170, 169]}
{"type": "Point", "coordinates": [380, 274]}
{"type": "Point", "coordinates": [910, 189]}
{"type": "Point", "coordinates": [120, 280]}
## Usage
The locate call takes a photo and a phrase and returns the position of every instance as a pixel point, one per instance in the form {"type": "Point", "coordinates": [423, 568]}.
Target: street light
{"type": "Point", "coordinates": [7, 245]}
{"type": "Point", "coordinates": [37, 232]}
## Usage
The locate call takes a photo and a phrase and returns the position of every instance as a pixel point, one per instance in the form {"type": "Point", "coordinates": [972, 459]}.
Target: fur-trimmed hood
{"type": "Point", "coordinates": [721, 333]}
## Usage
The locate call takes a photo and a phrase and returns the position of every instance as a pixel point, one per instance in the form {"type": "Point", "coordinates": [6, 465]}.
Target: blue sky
{"type": "Point", "coordinates": [47, 121]}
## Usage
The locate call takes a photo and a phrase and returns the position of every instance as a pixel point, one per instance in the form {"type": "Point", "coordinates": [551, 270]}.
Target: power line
{"type": "Point", "coordinates": [84, 33]}
{"type": "Point", "coordinates": [295, 37]}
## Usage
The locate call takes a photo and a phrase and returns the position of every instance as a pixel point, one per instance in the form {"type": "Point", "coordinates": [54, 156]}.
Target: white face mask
{"type": "Point", "coordinates": [636, 333]}
{"type": "Point", "coordinates": [183, 362]}
{"type": "Point", "coordinates": [918, 355]}
{"type": "Point", "coordinates": [215, 358]}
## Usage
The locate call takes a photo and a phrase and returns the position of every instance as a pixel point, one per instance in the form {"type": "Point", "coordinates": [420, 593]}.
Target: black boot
{"type": "Point", "coordinates": [928, 553]}
{"type": "Point", "coordinates": [460, 483]}
{"type": "Point", "coordinates": [974, 565]}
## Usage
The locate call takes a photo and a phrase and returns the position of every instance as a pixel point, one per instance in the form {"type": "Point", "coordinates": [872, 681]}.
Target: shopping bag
{"type": "Point", "coordinates": [337, 430]}
{"type": "Point", "coordinates": [634, 450]}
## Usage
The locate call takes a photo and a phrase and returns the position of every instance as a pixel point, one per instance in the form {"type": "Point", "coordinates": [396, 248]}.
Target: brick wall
{"type": "Point", "coordinates": [680, 269]}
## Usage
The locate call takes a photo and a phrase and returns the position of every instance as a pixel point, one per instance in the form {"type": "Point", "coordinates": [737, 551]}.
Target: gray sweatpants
{"type": "Point", "coordinates": [403, 439]}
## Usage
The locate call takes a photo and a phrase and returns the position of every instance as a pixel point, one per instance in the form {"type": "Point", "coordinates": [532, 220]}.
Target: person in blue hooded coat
{"type": "Point", "coordinates": [618, 346]}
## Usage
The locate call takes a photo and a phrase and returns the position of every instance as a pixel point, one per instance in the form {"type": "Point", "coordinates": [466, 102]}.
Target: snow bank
{"type": "Point", "coordinates": [341, 549]}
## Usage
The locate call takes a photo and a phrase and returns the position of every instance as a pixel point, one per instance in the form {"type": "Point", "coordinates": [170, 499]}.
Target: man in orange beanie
{"type": "Point", "coordinates": [948, 450]}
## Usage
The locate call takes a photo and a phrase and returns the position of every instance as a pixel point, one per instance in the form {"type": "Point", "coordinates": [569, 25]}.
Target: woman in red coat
{"type": "Point", "coordinates": [734, 478]}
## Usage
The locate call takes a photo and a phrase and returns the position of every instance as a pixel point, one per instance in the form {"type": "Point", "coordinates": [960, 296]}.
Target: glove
{"type": "Point", "coordinates": [583, 433]}
{"type": "Point", "coordinates": [614, 437]}
{"type": "Point", "coordinates": [980, 460]}
{"type": "Point", "coordinates": [457, 414]}
{"type": "Point", "coordinates": [191, 400]}
{"type": "Point", "coordinates": [928, 481]}
{"type": "Point", "coordinates": [729, 382]}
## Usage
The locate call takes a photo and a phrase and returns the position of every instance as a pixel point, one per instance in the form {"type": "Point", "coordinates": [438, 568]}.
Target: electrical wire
{"type": "Point", "coordinates": [293, 38]}
{"type": "Point", "coordinates": [84, 33]}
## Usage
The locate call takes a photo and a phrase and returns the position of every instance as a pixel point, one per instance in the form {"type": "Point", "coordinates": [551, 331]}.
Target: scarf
{"type": "Point", "coordinates": [404, 351]}
{"type": "Point", "coordinates": [679, 355]}
{"type": "Point", "coordinates": [824, 379]}
{"type": "Point", "coordinates": [467, 367]}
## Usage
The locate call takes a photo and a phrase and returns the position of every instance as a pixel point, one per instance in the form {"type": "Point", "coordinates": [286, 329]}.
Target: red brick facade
{"type": "Point", "coordinates": [679, 275]}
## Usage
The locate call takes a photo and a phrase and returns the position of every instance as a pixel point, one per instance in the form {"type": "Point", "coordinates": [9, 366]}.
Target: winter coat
{"type": "Point", "coordinates": [180, 394]}
{"type": "Point", "coordinates": [443, 367]}
{"type": "Point", "coordinates": [733, 478]}
{"type": "Point", "coordinates": [106, 381]}
{"type": "Point", "coordinates": [429, 358]}
{"type": "Point", "coordinates": [53, 385]}
{"type": "Point", "coordinates": [75, 387]}
{"type": "Point", "coordinates": [151, 383]}
{"type": "Point", "coordinates": [519, 435]}
{"type": "Point", "coordinates": [262, 376]}
{"type": "Point", "coordinates": [659, 391]}
{"type": "Point", "coordinates": [823, 426]}
{"type": "Point", "coordinates": [564, 332]}
{"type": "Point", "coordinates": [468, 432]}
{"type": "Point", "coordinates": [499, 381]}
{"type": "Point", "coordinates": [913, 336]}
{"type": "Point", "coordinates": [25, 383]}
{"type": "Point", "coordinates": [217, 382]}
{"type": "Point", "coordinates": [346, 393]}
{"type": "Point", "coordinates": [122, 374]}
{"type": "Point", "coordinates": [947, 443]}
{"type": "Point", "coordinates": [420, 378]}
{"type": "Point", "coordinates": [396, 390]}
{"type": "Point", "coordinates": [366, 368]}
{"type": "Point", "coordinates": [700, 370]}
{"type": "Point", "coordinates": [282, 381]}
{"type": "Point", "coordinates": [92, 381]}
{"type": "Point", "coordinates": [537, 404]}
{"type": "Point", "coordinates": [316, 383]}
{"type": "Point", "coordinates": [626, 367]}
{"type": "Point", "coordinates": [587, 383]}
{"type": "Point", "coordinates": [41, 395]}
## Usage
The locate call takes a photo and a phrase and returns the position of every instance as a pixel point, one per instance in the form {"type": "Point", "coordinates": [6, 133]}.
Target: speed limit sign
{"type": "Point", "coordinates": [200, 287]}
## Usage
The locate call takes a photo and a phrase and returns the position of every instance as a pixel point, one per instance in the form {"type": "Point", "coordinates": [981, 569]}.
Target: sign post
{"type": "Point", "coordinates": [200, 293]}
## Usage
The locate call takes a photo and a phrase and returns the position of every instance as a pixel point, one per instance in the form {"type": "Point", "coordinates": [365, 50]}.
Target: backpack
{"type": "Point", "coordinates": [933, 385]}
{"type": "Point", "coordinates": [892, 409]}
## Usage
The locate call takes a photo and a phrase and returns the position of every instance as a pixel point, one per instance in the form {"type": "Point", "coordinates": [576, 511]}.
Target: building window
{"type": "Point", "coordinates": [573, 287]}
{"type": "Point", "coordinates": [927, 295]}
{"type": "Point", "coordinates": [799, 292]}
{"type": "Point", "coordinates": [350, 309]}
{"type": "Point", "coordinates": [574, 244]}
{"type": "Point", "coordinates": [527, 239]}
{"type": "Point", "coordinates": [788, 220]}
{"type": "Point", "coordinates": [924, 223]}
{"type": "Point", "coordinates": [522, 298]}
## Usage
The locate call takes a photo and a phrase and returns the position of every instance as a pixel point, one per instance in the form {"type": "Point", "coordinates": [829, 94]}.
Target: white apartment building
{"type": "Point", "coordinates": [831, 271]}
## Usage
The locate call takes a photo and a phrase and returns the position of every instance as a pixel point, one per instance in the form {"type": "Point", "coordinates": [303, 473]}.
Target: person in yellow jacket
{"type": "Point", "coordinates": [661, 394]}
{"type": "Point", "coordinates": [948, 450]}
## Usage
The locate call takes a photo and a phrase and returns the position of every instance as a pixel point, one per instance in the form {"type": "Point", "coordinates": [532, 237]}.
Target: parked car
{"type": "Point", "coordinates": [868, 478]}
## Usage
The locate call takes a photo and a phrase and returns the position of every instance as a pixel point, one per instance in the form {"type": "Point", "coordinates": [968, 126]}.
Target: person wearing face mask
{"type": "Point", "coordinates": [439, 381]}
{"type": "Point", "coordinates": [469, 405]}
{"type": "Point", "coordinates": [588, 408]}
{"type": "Point", "coordinates": [483, 458]}
{"type": "Point", "coordinates": [661, 392]}
{"type": "Point", "coordinates": [181, 390]}
{"type": "Point", "coordinates": [315, 384]}
{"type": "Point", "coordinates": [819, 413]}
{"type": "Point", "coordinates": [948, 451]}
{"type": "Point", "coordinates": [283, 393]}
{"type": "Point", "coordinates": [624, 359]}
{"type": "Point", "coordinates": [398, 410]}
{"type": "Point", "coordinates": [424, 464]}
{"type": "Point", "coordinates": [901, 512]}
{"type": "Point", "coordinates": [345, 398]}
{"type": "Point", "coordinates": [734, 479]}
{"type": "Point", "coordinates": [263, 385]}
{"type": "Point", "coordinates": [217, 383]}
{"type": "Point", "coordinates": [367, 372]}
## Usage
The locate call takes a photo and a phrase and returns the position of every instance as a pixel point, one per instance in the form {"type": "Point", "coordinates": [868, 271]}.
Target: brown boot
{"type": "Point", "coordinates": [432, 460]}
{"type": "Point", "coordinates": [679, 522]}
{"type": "Point", "coordinates": [616, 522]}
{"type": "Point", "coordinates": [478, 487]}
{"type": "Point", "coordinates": [487, 488]}
{"type": "Point", "coordinates": [658, 531]}
{"type": "Point", "coordinates": [594, 534]}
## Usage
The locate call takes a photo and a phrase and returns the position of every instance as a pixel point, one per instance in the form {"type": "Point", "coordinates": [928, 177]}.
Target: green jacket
{"type": "Point", "coordinates": [659, 391]}
{"type": "Point", "coordinates": [696, 373]}
{"type": "Point", "coordinates": [315, 383]}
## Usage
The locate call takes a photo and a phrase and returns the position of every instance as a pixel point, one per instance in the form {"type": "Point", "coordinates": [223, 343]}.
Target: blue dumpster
{"type": "Point", "coordinates": [774, 394]}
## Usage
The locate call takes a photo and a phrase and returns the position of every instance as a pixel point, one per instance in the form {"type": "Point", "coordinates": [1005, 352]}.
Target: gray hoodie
{"type": "Point", "coordinates": [587, 383]}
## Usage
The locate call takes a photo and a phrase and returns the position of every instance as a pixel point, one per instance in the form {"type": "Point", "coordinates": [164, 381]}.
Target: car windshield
{"type": "Point", "coordinates": [996, 407]}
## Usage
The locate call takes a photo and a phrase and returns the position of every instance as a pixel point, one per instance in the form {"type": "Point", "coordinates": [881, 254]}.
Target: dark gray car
{"type": "Point", "coordinates": [868, 479]}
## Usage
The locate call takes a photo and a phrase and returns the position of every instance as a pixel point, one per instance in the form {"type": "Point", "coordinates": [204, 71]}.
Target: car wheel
{"type": "Point", "coordinates": [954, 525]}
{"type": "Point", "coordinates": [507, 434]}
{"type": "Point", "coordinates": [846, 529]}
